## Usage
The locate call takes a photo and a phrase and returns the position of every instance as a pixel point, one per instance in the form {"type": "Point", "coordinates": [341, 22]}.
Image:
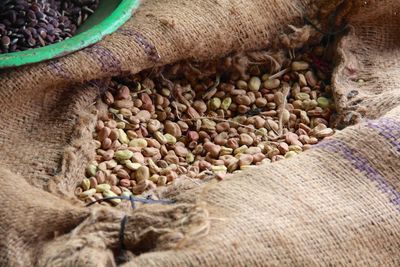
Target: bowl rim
{"type": "Point", "coordinates": [116, 19]}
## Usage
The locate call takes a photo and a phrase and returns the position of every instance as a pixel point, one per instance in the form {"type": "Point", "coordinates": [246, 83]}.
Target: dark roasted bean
{"type": "Point", "coordinates": [5, 41]}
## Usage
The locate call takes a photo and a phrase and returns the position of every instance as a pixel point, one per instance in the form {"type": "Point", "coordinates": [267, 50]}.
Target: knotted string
{"type": "Point", "coordinates": [148, 200]}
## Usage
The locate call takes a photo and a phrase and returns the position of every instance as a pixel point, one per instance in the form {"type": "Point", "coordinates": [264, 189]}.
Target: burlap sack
{"type": "Point", "coordinates": [336, 204]}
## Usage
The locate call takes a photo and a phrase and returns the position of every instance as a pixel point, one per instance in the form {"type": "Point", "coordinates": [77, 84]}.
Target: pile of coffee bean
{"type": "Point", "coordinates": [27, 24]}
{"type": "Point", "coordinates": [155, 127]}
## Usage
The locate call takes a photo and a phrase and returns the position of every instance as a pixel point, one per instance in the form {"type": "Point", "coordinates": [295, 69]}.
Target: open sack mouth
{"type": "Point", "coordinates": [179, 141]}
{"type": "Point", "coordinates": [207, 120]}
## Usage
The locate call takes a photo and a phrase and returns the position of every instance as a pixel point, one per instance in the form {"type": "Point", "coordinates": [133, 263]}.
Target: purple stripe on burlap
{"type": "Point", "coordinates": [140, 39]}
{"type": "Point", "coordinates": [108, 61]}
{"type": "Point", "coordinates": [364, 166]}
{"type": "Point", "coordinates": [388, 128]}
{"type": "Point", "coordinates": [58, 69]}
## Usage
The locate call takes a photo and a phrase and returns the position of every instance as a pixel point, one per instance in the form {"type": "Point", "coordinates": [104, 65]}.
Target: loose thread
{"type": "Point", "coordinates": [122, 233]}
{"type": "Point", "coordinates": [328, 33]}
{"type": "Point", "coordinates": [121, 236]}
{"type": "Point", "coordinates": [331, 26]}
{"type": "Point", "coordinates": [133, 199]}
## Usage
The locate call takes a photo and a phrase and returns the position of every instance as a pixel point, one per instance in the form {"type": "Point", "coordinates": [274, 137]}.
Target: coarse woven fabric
{"type": "Point", "coordinates": [336, 204]}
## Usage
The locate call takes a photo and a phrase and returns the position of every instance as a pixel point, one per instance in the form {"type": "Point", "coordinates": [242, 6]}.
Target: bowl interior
{"type": "Point", "coordinates": [106, 7]}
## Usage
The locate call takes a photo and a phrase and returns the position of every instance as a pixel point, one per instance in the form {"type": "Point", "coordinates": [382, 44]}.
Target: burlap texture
{"type": "Point", "coordinates": [336, 204]}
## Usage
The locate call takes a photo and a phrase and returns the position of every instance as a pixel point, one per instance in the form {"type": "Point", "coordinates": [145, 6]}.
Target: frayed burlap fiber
{"type": "Point", "coordinates": [337, 204]}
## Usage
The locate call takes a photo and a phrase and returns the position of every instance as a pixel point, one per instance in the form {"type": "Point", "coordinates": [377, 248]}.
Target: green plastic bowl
{"type": "Point", "coordinates": [108, 17]}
